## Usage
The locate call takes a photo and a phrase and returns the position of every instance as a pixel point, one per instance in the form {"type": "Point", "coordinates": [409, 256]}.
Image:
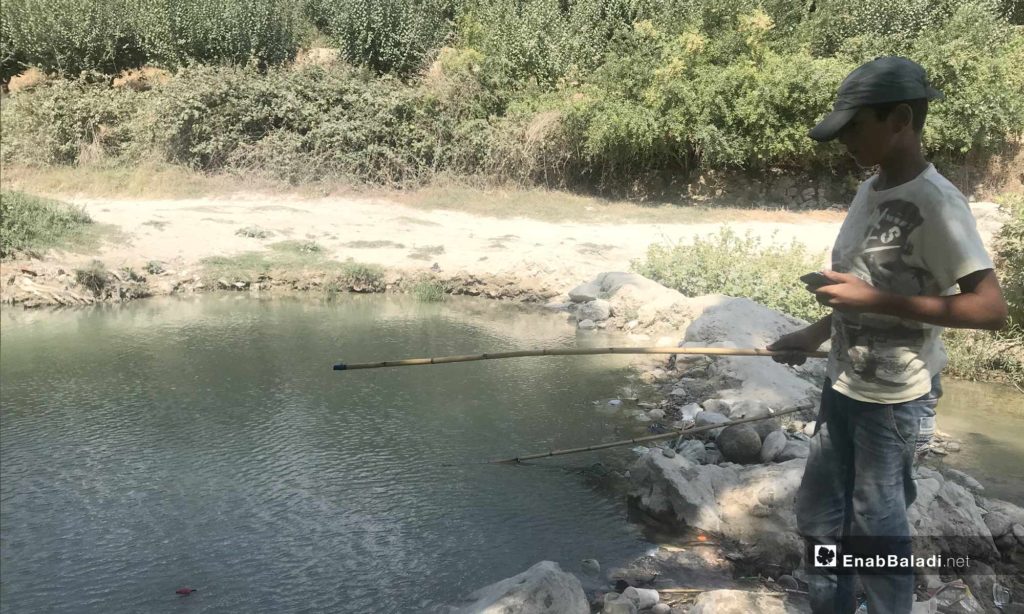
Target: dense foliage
{"type": "Point", "coordinates": [30, 223]}
{"type": "Point", "coordinates": [581, 93]}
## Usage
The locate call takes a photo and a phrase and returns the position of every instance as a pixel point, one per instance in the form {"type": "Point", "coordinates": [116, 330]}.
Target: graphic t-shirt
{"type": "Point", "coordinates": [917, 238]}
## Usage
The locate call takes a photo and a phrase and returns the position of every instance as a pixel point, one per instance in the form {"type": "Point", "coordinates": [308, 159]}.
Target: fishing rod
{"type": "Point", "coordinates": [708, 351]}
{"type": "Point", "coordinates": [669, 435]}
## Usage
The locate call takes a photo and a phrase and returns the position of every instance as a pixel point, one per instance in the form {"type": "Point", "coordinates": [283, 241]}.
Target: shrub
{"type": "Point", "coordinates": [31, 223]}
{"type": "Point", "coordinates": [1009, 252]}
{"type": "Point", "coordinates": [430, 291]}
{"type": "Point", "coordinates": [737, 266]}
{"type": "Point", "coordinates": [58, 123]}
{"type": "Point", "coordinates": [68, 37]}
{"type": "Point", "coordinates": [94, 277]}
{"type": "Point", "coordinates": [184, 32]}
{"type": "Point", "coordinates": [388, 35]}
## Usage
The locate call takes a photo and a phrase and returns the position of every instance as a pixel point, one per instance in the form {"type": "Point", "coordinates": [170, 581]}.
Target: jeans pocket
{"type": "Point", "coordinates": [904, 421]}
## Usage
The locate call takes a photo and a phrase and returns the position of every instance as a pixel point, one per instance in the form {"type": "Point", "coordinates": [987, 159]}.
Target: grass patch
{"type": "Point", "coordinates": [985, 355]}
{"type": "Point", "coordinates": [31, 225]}
{"type": "Point", "coordinates": [253, 232]}
{"type": "Point", "coordinates": [426, 252]}
{"type": "Point", "coordinates": [93, 277]}
{"type": "Point", "coordinates": [297, 247]}
{"type": "Point", "coordinates": [736, 265]}
{"type": "Point", "coordinates": [430, 291]}
{"type": "Point", "coordinates": [373, 244]}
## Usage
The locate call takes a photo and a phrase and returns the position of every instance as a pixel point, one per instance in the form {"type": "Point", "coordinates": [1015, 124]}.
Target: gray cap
{"type": "Point", "coordinates": [885, 79]}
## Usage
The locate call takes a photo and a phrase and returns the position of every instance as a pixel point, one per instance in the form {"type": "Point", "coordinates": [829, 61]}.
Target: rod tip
{"type": "Point", "coordinates": [340, 366]}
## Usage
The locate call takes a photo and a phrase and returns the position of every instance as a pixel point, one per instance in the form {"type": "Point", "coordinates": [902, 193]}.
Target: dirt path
{"type": "Point", "coordinates": [397, 236]}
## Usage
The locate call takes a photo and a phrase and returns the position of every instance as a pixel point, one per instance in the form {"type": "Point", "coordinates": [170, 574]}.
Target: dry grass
{"type": "Point", "coordinates": [476, 198]}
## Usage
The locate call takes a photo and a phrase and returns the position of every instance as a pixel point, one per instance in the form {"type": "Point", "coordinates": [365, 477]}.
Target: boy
{"type": "Point", "coordinates": [908, 238]}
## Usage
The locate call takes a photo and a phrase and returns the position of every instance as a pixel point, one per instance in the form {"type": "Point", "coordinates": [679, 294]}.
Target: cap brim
{"type": "Point", "coordinates": [828, 128]}
{"type": "Point", "coordinates": [934, 94]}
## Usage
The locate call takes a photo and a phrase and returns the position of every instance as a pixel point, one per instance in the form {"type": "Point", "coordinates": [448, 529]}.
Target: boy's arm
{"type": "Point", "coordinates": [980, 303]}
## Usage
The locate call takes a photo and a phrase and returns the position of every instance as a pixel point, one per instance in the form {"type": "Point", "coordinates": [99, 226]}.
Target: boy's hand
{"type": "Point", "coordinates": [848, 293]}
{"type": "Point", "coordinates": [800, 342]}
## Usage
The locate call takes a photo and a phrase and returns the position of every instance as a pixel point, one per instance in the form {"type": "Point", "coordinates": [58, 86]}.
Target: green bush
{"type": "Point", "coordinates": [430, 291]}
{"type": "Point", "coordinates": [184, 32]}
{"type": "Point", "coordinates": [1009, 252]}
{"type": "Point", "coordinates": [737, 266]}
{"type": "Point", "coordinates": [65, 120]}
{"type": "Point", "coordinates": [32, 224]}
{"type": "Point", "coordinates": [68, 37]}
{"type": "Point", "coordinates": [387, 35]}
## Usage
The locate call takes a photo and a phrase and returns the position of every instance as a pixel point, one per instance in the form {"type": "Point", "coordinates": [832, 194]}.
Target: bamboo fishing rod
{"type": "Point", "coordinates": [438, 360]}
{"type": "Point", "coordinates": [626, 442]}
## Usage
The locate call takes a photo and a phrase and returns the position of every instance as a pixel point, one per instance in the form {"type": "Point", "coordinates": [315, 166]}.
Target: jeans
{"type": "Point", "coordinates": [858, 482]}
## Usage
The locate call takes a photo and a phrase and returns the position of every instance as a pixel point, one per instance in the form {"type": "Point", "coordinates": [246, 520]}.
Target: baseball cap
{"type": "Point", "coordinates": [884, 79]}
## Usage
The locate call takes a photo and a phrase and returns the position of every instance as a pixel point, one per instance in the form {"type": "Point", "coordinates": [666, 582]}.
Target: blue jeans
{"type": "Point", "coordinates": [858, 482]}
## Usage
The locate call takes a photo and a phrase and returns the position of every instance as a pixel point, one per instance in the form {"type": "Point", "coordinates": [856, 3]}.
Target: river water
{"type": "Point", "coordinates": [206, 442]}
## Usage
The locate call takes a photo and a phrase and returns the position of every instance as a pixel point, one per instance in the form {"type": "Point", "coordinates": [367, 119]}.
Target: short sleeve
{"type": "Point", "coordinates": [951, 247]}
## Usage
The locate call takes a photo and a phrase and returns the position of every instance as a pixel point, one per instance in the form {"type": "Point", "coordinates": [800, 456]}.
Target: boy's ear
{"type": "Point", "coordinates": [901, 117]}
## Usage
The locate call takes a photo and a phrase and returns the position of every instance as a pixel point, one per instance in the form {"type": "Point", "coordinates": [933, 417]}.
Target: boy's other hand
{"type": "Point", "coordinates": [848, 293]}
{"type": "Point", "coordinates": [795, 345]}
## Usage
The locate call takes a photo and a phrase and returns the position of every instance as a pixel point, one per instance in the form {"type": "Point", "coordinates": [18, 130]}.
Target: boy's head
{"type": "Point", "coordinates": [880, 109]}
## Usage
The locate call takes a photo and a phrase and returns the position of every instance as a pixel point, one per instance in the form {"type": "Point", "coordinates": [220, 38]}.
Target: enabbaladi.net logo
{"type": "Point", "coordinates": [840, 558]}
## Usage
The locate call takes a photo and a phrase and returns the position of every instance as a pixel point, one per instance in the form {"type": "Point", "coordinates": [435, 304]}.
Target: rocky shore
{"type": "Point", "coordinates": [723, 500]}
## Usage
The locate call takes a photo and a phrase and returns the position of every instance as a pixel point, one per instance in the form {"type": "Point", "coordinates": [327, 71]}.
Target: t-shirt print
{"type": "Point", "coordinates": [915, 239]}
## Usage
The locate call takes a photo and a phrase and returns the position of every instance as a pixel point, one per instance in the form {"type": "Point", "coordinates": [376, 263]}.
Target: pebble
{"type": "Point", "coordinates": [586, 324]}
{"type": "Point", "coordinates": [661, 608]}
{"type": "Point", "coordinates": [689, 412]}
{"type": "Point", "coordinates": [789, 582]}
{"type": "Point", "coordinates": [952, 446]}
{"type": "Point", "coordinates": [773, 445]}
{"type": "Point", "coordinates": [656, 414]}
{"type": "Point", "coordinates": [668, 452]}
{"type": "Point", "coordinates": [615, 402]}
{"type": "Point", "coordinates": [591, 566]}
{"type": "Point", "coordinates": [809, 428]}
{"type": "Point", "coordinates": [740, 443]}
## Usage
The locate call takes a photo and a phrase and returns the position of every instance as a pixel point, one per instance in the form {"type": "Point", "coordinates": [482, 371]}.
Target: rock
{"type": "Point", "coordinates": [788, 582]}
{"type": "Point", "coordinates": [689, 412]}
{"type": "Point", "coordinates": [740, 443]}
{"type": "Point", "coordinates": [712, 457]}
{"type": "Point", "coordinates": [809, 428]}
{"type": "Point", "coordinates": [795, 448]}
{"type": "Point", "coordinates": [773, 445]}
{"type": "Point", "coordinates": [615, 402]}
{"type": "Point", "coordinates": [998, 523]}
{"type": "Point", "coordinates": [642, 598]}
{"type": "Point", "coordinates": [585, 292]}
{"type": "Point", "coordinates": [543, 588]}
{"type": "Point", "coordinates": [718, 406]}
{"type": "Point", "coordinates": [595, 310]}
{"type": "Point", "coordinates": [740, 322]}
{"type": "Point", "coordinates": [661, 608]}
{"type": "Point", "coordinates": [963, 479]}
{"type": "Point", "coordinates": [619, 606]}
{"type": "Point", "coordinates": [737, 602]}
{"type": "Point", "coordinates": [656, 414]}
{"type": "Point", "coordinates": [1018, 531]}
{"type": "Point", "coordinates": [952, 446]}
{"type": "Point", "coordinates": [586, 324]}
{"type": "Point", "coordinates": [632, 324]}
{"type": "Point", "coordinates": [710, 418]}
{"type": "Point", "coordinates": [693, 450]}
{"type": "Point", "coordinates": [591, 567]}
{"type": "Point", "coordinates": [668, 452]}
{"type": "Point", "coordinates": [945, 517]}
{"type": "Point", "coordinates": [678, 392]}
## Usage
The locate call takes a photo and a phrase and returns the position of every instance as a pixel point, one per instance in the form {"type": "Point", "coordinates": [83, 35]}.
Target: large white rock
{"type": "Point", "coordinates": [541, 589]}
{"type": "Point", "coordinates": [742, 323]}
{"type": "Point", "coordinates": [654, 304]}
{"type": "Point", "coordinates": [754, 506]}
{"type": "Point", "coordinates": [737, 602]}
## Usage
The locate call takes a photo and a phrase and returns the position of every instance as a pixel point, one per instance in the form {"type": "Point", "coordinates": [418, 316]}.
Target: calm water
{"type": "Point", "coordinates": [989, 420]}
{"type": "Point", "coordinates": [207, 442]}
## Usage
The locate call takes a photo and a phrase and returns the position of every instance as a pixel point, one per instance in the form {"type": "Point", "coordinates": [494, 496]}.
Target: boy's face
{"type": "Point", "coordinates": [867, 138]}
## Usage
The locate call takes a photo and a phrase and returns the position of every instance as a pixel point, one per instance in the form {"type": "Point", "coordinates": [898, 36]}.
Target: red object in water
{"type": "Point", "coordinates": [185, 590]}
